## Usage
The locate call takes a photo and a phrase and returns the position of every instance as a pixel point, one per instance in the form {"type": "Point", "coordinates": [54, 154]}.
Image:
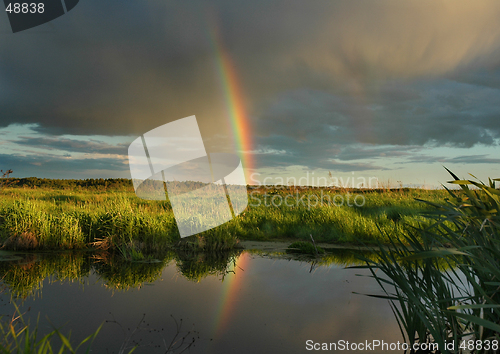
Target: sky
{"type": "Point", "coordinates": [386, 90]}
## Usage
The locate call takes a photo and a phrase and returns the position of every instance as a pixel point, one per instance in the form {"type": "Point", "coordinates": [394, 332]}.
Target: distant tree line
{"type": "Point", "coordinates": [92, 183]}
{"type": "Point", "coordinates": [121, 184]}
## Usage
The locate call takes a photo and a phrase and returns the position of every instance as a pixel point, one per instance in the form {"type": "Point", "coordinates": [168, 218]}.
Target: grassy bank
{"type": "Point", "coordinates": [82, 217]}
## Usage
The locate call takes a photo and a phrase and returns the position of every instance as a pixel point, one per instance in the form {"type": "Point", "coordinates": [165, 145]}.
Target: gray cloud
{"type": "Point", "coordinates": [397, 119]}
{"type": "Point", "coordinates": [351, 167]}
{"type": "Point", "coordinates": [72, 145]}
{"type": "Point", "coordinates": [463, 159]}
{"type": "Point", "coordinates": [358, 152]}
{"type": "Point", "coordinates": [473, 159]}
{"type": "Point", "coordinates": [438, 112]}
{"type": "Point", "coordinates": [315, 153]}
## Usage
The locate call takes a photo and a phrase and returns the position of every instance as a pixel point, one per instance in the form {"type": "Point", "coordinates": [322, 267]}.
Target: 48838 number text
{"type": "Point", "coordinates": [25, 8]}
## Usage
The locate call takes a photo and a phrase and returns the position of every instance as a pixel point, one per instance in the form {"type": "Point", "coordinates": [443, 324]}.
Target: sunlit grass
{"type": "Point", "coordinates": [67, 219]}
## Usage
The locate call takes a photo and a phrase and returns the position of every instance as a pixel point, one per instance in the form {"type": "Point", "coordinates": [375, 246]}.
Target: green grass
{"type": "Point", "coordinates": [329, 223]}
{"type": "Point", "coordinates": [75, 219]}
{"type": "Point", "coordinates": [47, 219]}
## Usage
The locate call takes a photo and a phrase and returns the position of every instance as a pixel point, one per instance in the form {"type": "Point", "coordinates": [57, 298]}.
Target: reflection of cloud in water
{"type": "Point", "coordinates": [277, 301]}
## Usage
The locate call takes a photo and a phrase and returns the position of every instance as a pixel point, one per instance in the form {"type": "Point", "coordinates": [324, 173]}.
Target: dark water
{"type": "Point", "coordinates": [266, 306]}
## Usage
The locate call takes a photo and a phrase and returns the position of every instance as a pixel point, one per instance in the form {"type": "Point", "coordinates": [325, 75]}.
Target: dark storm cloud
{"type": "Point", "coordinates": [312, 127]}
{"type": "Point", "coordinates": [487, 76]}
{"type": "Point", "coordinates": [119, 68]}
{"type": "Point", "coordinates": [110, 69]}
{"type": "Point", "coordinates": [438, 112]}
{"type": "Point", "coordinates": [72, 145]}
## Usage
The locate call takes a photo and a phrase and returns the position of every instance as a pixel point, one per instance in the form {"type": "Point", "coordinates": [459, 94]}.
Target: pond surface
{"type": "Point", "coordinates": [268, 305]}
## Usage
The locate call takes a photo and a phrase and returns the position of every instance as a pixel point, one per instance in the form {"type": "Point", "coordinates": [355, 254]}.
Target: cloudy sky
{"type": "Point", "coordinates": [388, 89]}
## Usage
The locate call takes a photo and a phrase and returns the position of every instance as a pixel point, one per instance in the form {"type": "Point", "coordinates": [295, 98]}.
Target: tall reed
{"type": "Point", "coordinates": [17, 336]}
{"type": "Point", "coordinates": [443, 277]}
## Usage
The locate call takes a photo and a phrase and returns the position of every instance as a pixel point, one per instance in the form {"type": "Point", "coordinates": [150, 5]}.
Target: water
{"type": "Point", "coordinates": [268, 305]}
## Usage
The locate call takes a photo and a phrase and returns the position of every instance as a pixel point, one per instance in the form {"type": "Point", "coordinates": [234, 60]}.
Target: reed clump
{"type": "Point", "coordinates": [443, 278]}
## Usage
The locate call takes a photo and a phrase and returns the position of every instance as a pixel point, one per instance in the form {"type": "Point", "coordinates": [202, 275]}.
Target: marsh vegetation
{"type": "Point", "coordinates": [437, 250]}
{"type": "Point", "coordinates": [443, 277]}
{"type": "Point", "coordinates": [95, 215]}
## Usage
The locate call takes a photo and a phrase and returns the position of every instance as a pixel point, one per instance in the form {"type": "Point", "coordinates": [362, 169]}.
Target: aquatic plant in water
{"type": "Point", "coordinates": [305, 248]}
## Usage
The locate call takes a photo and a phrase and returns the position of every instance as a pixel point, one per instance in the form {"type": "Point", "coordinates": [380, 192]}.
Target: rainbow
{"type": "Point", "coordinates": [234, 99]}
{"type": "Point", "coordinates": [237, 115]}
{"type": "Point", "coordinates": [228, 299]}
